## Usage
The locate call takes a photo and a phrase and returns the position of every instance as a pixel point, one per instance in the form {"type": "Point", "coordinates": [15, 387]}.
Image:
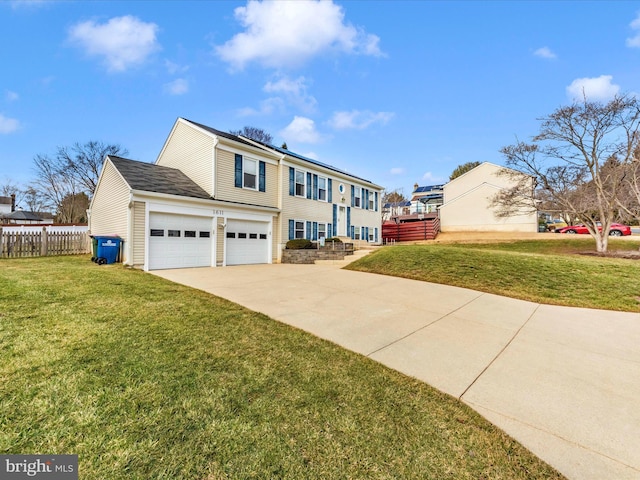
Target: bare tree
{"type": "Point", "coordinates": [579, 161]}
{"type": "Point", "coordinates": [254, 133]}
{"type": "Point", "coordinates": [84, 162]}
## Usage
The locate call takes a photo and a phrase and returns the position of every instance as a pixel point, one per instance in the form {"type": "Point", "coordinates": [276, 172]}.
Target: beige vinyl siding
{"type": "Point", "coordinates": [219, 240]}
{"type": "Point", "coordinates": [225, 182]}
{"type": "Point", "coordinates": [110, 207]}
{"type": "Point", "coordinates": [190, 151]}
{"type": "Point", "coordinates": [139, 233]}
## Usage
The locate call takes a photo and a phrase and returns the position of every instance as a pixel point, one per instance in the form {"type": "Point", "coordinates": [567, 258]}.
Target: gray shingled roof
{"type": "Point", "coordinates": [219, 133]}
{"type": "Point", "coordinates": [148, 177]}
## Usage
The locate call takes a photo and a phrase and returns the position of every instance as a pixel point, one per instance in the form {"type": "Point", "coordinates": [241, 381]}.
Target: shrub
{"type": "Point", "coordinates": [299, 244]}
{"type": "Point", "coordinates": [332, 239]}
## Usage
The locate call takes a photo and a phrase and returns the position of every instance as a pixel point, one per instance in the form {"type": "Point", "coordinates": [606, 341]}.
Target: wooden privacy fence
{"type": "Point", "coordinates": [42, 243]}
{"type": "Point", "coordinates": [426, 229]}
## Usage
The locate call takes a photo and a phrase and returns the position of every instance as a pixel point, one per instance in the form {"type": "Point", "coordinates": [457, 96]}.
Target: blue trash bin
{"type": "Point", "coordinates": [108, 249]}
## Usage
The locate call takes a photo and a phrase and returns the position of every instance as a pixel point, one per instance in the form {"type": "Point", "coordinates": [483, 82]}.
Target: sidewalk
{"type": "Point", "coordinates": [565, 382]}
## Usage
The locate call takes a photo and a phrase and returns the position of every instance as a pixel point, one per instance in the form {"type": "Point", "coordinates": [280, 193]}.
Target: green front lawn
{"type": "Point", "coordinates": [146, 379]}
{"type": "Point", "coordinates": [553, 272]}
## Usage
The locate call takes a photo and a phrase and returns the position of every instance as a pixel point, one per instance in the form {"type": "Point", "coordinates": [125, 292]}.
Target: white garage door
{"type": "Point", "coordinates": [247, 242]}
{"type": "Point", "coordinates": [179, 241]}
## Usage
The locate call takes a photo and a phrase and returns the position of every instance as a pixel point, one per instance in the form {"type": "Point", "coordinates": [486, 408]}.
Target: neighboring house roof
{"type": "Point", "coordinates": [5, 200]}
{"type": "Point", "coordinates": [149, 177]}
{"type": "Point", "coordinates": [284, 151]}
{"type": "Point", "coordinates": [25, 216]}
{"type": "Point", "coordinates": [397, 204]}
{"type": "Point", "coordinates": [428, 188]}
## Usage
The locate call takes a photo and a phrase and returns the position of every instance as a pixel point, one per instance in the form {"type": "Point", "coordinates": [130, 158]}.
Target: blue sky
{"type": "Point", "coordinates": [398, 92]}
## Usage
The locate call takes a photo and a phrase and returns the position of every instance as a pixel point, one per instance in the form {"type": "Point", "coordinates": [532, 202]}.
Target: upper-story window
{"type": "Point", "coordinates": [322, 189]}
{"type": "Point", "coordinates": [371, 202]}
{"type": "Point", "coordinates": [249, 173]}
{"type": "Point", "coordinates": [357, 194]}
{"type": "Point", "coordinates": [300, 184]}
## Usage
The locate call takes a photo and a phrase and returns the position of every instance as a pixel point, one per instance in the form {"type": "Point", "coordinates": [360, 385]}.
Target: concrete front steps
{"type": "Point", "coordinates": [365, 249]}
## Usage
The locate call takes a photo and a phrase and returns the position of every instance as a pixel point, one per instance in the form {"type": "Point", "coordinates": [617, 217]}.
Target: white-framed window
{"type": "Point", "coordinates": [249, 174]}
{"type": "Point", "coordinates": [356, 233]}
{"type": "Point", "coordinates": [298, 229]}
{"type": "Point", "coordinates": [301, 184]}
{"type": "Point", "coordinates": [371, 238]}
{"type": "Point", "coordinates": [371, 203]}
{"type": "Point", "coordinates": [322, 230]}
{"type": "Point", "coordinates": [322, 189]}
{"type": "Point", "coordinates": [357, 193]}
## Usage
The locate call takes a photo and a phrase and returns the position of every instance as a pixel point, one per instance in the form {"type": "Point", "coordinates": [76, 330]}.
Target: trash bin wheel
{"type": "Point", "coordinates": [102, 261]}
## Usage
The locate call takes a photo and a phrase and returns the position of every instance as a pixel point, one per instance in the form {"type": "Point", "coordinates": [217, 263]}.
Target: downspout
{"type": "Point", "coordinates": [128, 245]}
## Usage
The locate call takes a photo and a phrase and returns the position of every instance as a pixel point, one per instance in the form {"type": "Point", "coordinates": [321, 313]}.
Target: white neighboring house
{"type": "Point", "coordinates": [217, 199]}
{"type": "Point", "coordinates": [467, 203]}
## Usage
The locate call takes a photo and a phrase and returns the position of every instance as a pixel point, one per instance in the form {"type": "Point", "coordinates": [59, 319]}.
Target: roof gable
{"type": "Point", "coordinates": [149, 177]}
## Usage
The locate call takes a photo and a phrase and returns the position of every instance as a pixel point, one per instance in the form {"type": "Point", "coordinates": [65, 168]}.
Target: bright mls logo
{"type": "Point", "coordinates": [50, 467]}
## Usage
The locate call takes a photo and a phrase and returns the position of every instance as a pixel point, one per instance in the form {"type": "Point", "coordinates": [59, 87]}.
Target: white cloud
{"type": "Point", "coordinates": [8, 125]}
{"type": "Point", "coordinates": [545, 52]}
{"type": "Point", "coordinates": [174, 68]}
{"type": "Point", "coordinates": [358, 120]}
{"type": "Point", "coordinates": [302, 130]}
{"type": "Point", "coordinates": [294, 92]}
{"type": "Point", "coordinates": [430, 177]}
{"type": "Point", "coordinates": [122, 41]}
{"type": "Point", "coordinates": [267, 107]}
{"type": "Point", "coordinates": [179, 86]}
{"type": "Point", "coordinates": [284, 34]}
{"type": "Point", "coordinates": [595, 89]}
{"type": "Point", "coordinates": [634, 42]}
{"type": "Point", "coordinates": [397, 171]}
{"type": "Point", "coordinates": [11, 96]}
{"type": "Point", "coordinates": [311, 155]}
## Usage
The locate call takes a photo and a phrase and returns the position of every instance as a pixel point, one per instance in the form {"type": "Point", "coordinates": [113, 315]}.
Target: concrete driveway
{"type": "Point", "coordinates": [565, 382]}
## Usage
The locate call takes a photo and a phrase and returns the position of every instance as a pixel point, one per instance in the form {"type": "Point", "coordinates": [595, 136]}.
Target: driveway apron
{"type": "Point", "coordinates": [565, 382]}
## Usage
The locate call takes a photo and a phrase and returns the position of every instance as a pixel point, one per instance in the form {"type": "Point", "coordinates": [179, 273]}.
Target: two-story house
{"type": "Point", "coordinates": [216, 199]}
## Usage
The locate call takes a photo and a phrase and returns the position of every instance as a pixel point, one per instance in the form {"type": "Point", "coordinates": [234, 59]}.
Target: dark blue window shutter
{"type": "Point", "coordinates": [308, 230]}
{"type": "Point", "coordinates": [308, 185]}
{"type": "Point", "coordinates": [238, 176]}
{"type": "Point", "coordinates": [292, 181]}
{"type": "Point", "coordinates": [291, 232]}
{"type": "Point", "coordinates": [366, 199]}
{"type": "Point", "coordinates": [367, 234]}
{"type": "Point", "coordinates": [353, 196]}
{"type": "Point", "coordinates": [329, 196]}
{"type": "Point", "coordinates": [329, 230]}
{"type": "Point", "coordinates": [348, 220]}
{"type": "Point", "coordinates": [262, 177]}
{"type": "Point", "coordinates": [315, 187]}
{"type": "Point", "coordinates": [315, 231]}
{"type": "Point", "coordinates": [375, 234]}
{"type": "Point", "coordinates": [353, 232]}
{"type": "Point", "coordinates": [375, 204]}
{"type": "Point", "coordinates": [335, 218]}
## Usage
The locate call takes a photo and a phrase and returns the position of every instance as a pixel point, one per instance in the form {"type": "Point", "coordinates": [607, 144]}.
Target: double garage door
{"type": "Point", "coordinates": [182, 241]}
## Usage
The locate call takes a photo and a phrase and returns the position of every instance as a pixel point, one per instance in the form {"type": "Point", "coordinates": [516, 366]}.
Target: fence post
{"type": "Point", "coordinates": [1, 243]}
{"type": "Point", "coordinates": [43, 242]}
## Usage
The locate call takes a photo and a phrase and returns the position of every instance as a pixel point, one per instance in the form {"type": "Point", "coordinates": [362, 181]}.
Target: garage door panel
{"type": "Point", "coordinates": [246, 242]}
{"type": "Point", "coordinates": [179, 251]}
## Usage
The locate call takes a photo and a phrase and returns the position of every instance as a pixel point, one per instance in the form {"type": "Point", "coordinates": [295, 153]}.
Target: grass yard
{"type": "Point", "coordinates": [554, 272]}
{"type": "Point", "coordinates": [145, 379]}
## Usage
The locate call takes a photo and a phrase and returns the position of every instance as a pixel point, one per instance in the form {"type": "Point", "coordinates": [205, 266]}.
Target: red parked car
{"type": "Point", "coordinates": [616, 230]}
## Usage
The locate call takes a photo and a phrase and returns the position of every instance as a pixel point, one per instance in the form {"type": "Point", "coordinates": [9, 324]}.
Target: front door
{"type": "Point", "coordinates": [342, 221]}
